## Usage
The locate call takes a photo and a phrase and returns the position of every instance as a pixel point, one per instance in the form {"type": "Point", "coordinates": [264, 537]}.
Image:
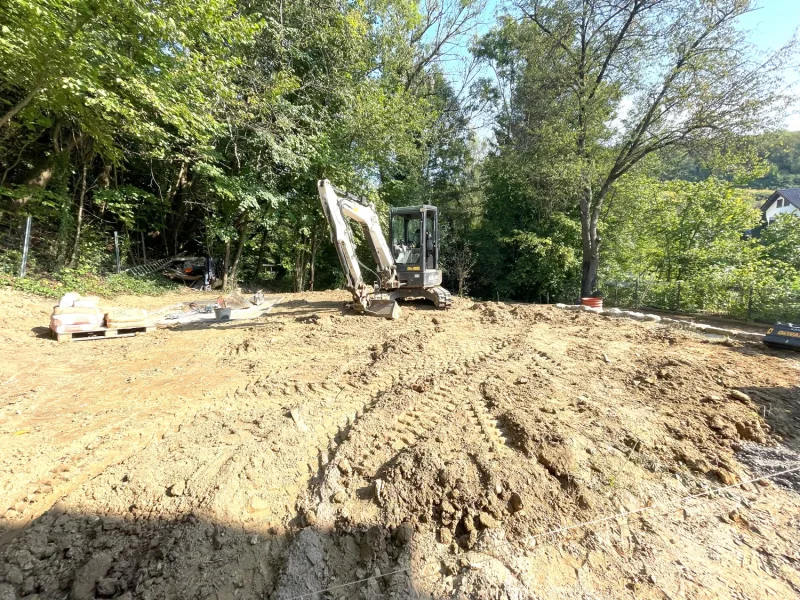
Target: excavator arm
{"type": "Point", "coordinates": [337, 206]}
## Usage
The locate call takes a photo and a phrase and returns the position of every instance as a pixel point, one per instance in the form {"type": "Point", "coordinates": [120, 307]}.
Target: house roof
{"type": "Point", "coordinates": [792, 196]}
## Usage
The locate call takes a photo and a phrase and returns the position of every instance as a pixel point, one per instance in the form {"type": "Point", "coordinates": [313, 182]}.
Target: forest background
{"type": "Point", "coordinates": [572, 146]}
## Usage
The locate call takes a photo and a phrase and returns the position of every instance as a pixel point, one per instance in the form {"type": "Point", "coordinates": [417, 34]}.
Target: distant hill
{"type": "Point", "coordinates": [757, 197]}
{"type": "Point", "coordinates": [780, 149]}
{"type": "Point", "coordinates": [783, 153]}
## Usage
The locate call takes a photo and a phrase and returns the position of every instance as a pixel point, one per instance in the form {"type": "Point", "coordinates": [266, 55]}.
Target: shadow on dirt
{"type": "Point", "coordinates": [43, 333]}
{"type": "Point", "coordinates": [139, 556]}
{"type": "Point", "coordinates": [780, 407]}
{"type": "Point", "coordinates": [759, 349]}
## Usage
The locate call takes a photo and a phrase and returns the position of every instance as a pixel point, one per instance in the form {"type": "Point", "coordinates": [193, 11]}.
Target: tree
{"type": "Point", "coordinates": [615, 82]}
{"type": "Point", "coordinates": [781, 239]}
{"type": "Point", "coordinates": [676, 230]}
{"type": "Point", "coordinates": [106, 70]}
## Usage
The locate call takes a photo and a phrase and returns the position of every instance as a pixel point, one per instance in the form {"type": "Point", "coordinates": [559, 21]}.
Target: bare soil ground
{"type": "Point", "coordinates": [426, 457]}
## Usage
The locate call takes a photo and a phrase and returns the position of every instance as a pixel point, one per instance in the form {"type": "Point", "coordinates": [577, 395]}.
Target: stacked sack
{"type": "Point", "coordinates": [126, 318]}
{"type": "Point", "coordinates": [76, 313]}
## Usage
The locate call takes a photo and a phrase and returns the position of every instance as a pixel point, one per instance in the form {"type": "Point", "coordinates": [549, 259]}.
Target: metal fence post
{"type": "Point", "coordinates": [26, 245]}
{"type": "Point", "coordinates": [116, 249]}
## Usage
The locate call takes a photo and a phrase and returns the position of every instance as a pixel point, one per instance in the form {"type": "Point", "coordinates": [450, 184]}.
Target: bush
{"type": "Point", "coordinates": [76, 280]}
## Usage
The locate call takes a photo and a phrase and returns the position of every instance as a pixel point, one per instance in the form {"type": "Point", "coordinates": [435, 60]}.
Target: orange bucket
{"type": "Point", "coordinates": [592, 302]}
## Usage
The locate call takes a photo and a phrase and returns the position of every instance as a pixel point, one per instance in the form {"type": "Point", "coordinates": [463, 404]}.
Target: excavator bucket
{"type": "Point", "coordinates": [783, 335]}
{"type": "Point", "coordinates": [388, 309]}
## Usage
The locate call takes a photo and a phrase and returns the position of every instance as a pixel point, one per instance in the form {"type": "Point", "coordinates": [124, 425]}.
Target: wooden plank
{"type": "Point", "coordinates": [101, 333]}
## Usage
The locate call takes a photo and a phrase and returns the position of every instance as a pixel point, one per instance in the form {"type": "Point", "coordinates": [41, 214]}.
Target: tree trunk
{"type": "Point", "coordinates": [178, 190]}
{"type": "Point", "coordinates": [239, 248]}
{"type": "Point", "coordinates": [589, 272]}
{"type": "Point", "coordinates": [300, 269]}
{"type": "Point", "coordinates": [315, 237]}
{"type": "Point", "coordinates": [79, 221]}
{"type": "Point", "coordinates": [41, 174]}
{"type": "Point", "coordinates": [259, 262]}
{"type": "Point", "coordinates": [311, 281]}
{"type": "Point", "coordinates": [590, 242]}
{"type": "Point", "coordinates": [225, 264]}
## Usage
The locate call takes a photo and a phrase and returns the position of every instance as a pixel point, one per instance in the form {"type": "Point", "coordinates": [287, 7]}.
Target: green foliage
{"type": "Point", "coordinates": [543, 265]}
{"type": "Point", "coordinates": [781, 150]}
{"type": "Point", "coordinates": [203, 128]}
{"type": "Point", "coordinates": [152, 71]}
{"type": "Point", "coordinates": [87, 282]}
{"type": "Point", "coordinates": [587, 91]}
{"type": "Point", "coordinates": [781, 240]}
{"type": "Point", "coordinates": [673, 229]}
{"type": "Point", "coordinates": [686, 244]}
{"type": "Point", "coordinates": [126, 203]}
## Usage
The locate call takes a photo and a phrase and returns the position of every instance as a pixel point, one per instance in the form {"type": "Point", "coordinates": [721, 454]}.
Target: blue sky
{"type": "Point", "coordinates": [774, 23]}
{"type": "Point", "coordinates": [771, 26]}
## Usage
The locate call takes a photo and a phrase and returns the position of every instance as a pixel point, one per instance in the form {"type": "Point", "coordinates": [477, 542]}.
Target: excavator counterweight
{"type": "Point", "coordinates": [408, 268]}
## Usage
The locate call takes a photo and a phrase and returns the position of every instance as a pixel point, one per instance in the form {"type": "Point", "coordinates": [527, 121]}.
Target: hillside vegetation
{"type": "Point", "coordinates": [624, 154]}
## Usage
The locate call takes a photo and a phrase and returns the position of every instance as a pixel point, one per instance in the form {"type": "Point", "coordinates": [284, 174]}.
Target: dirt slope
{"type": "Point", "coordinates": [426, 457]}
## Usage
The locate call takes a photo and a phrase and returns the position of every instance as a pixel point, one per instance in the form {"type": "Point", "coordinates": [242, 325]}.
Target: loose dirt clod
{"type": "Point", "coordinates": [740, 396]}
{"type": "Point", "coordinates": [419, 458]}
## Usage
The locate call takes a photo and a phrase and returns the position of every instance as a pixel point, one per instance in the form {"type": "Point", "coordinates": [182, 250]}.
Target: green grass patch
{"type": "Point", "coordinates": [57, 284]}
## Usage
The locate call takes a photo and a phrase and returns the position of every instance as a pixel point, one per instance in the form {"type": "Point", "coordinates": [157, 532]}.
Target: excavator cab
{"type": "Point", "coordinates": [414, 235]}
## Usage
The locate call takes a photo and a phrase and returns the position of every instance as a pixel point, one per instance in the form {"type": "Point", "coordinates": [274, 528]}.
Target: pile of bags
{"type": "Point", "coordinates": [76, 313]}
{"type": "Point", "coordinates": [125, 318]}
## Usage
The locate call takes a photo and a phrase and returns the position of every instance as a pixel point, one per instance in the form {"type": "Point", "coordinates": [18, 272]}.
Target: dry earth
{"type": "Point", "coordinates": [427, 457]}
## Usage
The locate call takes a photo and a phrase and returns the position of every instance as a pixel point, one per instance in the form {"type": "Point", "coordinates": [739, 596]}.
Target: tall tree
{"type": "Point", "coordinates": [634, 77]}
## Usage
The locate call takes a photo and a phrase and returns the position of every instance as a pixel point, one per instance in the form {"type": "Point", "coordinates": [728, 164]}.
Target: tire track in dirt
{"type": "Point", "coordinates": [427, 399]}
{"type": "Point", "coordinates": [471, 444]}
{"type": "Point", "coordinates": [269, 460]}
{"type": "Point", "coordinates": [395, 423]}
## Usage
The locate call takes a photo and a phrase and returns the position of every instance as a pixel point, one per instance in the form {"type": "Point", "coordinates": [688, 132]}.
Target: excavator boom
{"type": "Point", "coordinates": [336, 207]}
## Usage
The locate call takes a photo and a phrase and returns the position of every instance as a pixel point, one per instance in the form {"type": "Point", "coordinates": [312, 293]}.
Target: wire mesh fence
{"type": "Point", "coordinates": [760, 300]}
{"type": "Point", "coordinates": [31, 244]}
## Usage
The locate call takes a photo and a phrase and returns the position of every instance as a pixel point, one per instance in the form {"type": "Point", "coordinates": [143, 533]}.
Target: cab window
{"type": "Point", "coordinates": [406, 239]}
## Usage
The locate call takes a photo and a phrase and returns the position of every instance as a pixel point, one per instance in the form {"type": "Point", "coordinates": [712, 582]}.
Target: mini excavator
{"type": "Point", "coordinates": [409, 269]}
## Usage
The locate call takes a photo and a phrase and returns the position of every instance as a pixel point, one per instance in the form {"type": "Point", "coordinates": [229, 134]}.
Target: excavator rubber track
{"type": "Point", "coordinates": [440, 297]}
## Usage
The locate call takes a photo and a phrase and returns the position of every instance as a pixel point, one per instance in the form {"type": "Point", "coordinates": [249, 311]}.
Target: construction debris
{"type": "Point", "coordinates": [746, 336]}
{"type": "Point", "coordinates": [228, 308]}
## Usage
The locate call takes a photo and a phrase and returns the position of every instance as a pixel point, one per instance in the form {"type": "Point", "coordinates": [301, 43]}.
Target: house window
{"type": "Point", "coordinates": [780, 203]}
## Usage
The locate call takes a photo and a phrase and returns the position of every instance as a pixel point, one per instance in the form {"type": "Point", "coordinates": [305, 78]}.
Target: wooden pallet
{"type": "Point", "coordinates": [101, 332]}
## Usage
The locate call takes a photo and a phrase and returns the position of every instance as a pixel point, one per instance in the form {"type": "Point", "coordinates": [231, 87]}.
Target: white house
{"type": "Point", "coordinates": [782, 201]}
